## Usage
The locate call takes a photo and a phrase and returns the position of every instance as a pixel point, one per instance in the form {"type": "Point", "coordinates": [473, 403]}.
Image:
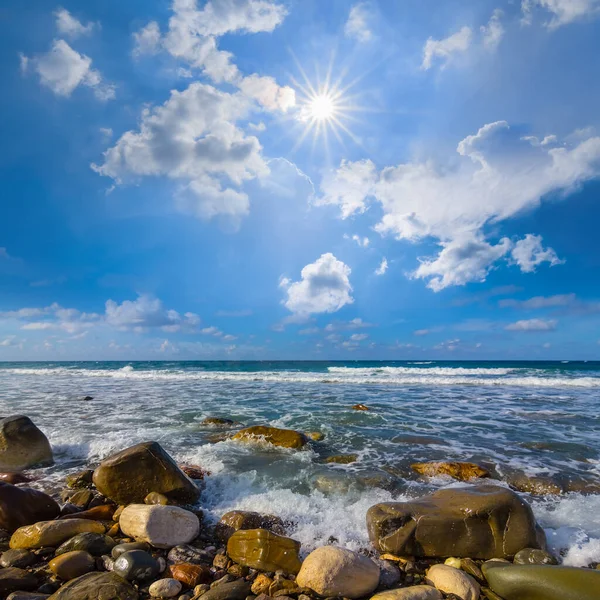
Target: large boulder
{"type": "Point", "coordinates": [130, 475]}
{"type": "Point", "coordinates": [23, 506]}
{"type": "Point", "coordinates": [96, 586]}
{"type": "Point", "coordinates": [464, 471]}
{"type": "Point", "coordinates": [284, 438]}
{"type": "Point", "coordinates": [52, 533]}
{"type": "Point", "coordinates": [242, 519]}
{"type": "Point", "coordinates": [22, 445]}
{"type": "Point", "coordinates": [333, 571]}
{"type": "Point", "coordinates": [484, 521]}
{"type": "Point", "coordinates": [263, 550]}
{"type": "Point", "coordinates": [159, 525]}
{"type": "Point", "coordinates": [542, 582]}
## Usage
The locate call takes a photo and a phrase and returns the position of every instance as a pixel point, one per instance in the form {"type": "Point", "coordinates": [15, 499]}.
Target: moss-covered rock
{"type": "Point", "coordinates": [284, 438]}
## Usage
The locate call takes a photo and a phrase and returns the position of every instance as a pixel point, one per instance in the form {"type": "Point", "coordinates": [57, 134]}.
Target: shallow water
{"type": "Point", "coordinates": [539, 417]}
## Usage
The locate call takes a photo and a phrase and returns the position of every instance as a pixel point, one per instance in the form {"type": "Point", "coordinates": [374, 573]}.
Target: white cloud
{"type": "Point", "coordinates": [38, 325]}
{"type": "Point", "coordinates": [533, 325]}
{"type": "Point", "coordinates": [540, 301]}
{"type": "Point", "coordinates": [268, 93]}
{"type": "Point", "coordinates": [168, 348]}
{"type": "Point", "coordinates": [357, 25]}
{"type": "Point", "coordinates": [62, 69]}
{"type": "Point", "coordinates": [359, 337]}
{"type": "Point", "coordinates": [493, 32]}
{"type": "Point", "coordinates": [445, 202]}
{"type": "Point", "coordinates": [147, 40]}
{"type": "Point", "coordinates": [193, 139]}
{"type": "Point", "coordinates": [363, 242]}
{"type": "Point", "coordinates": [528, 253]}
{"type": "Point", "coordinates": [382, 268]}
{"type": "Point", "coordinates": [447, 48]}
{"type": "Point", "coordinates": [356, 323]}
{"type": "Point", "coordinates": [11, 340]}
{"type": "Point", "coordinates": [324, 287]}
{"type": "Point", "coordinates": [54, 316]}
{"type": "Point", "coordinates": [563, 11]}
{"type": "Point", "coordinates": [69, 26]}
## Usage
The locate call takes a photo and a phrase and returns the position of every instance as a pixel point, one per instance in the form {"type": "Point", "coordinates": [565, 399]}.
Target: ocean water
{"type": "Point", "coordinates": [539, 417]}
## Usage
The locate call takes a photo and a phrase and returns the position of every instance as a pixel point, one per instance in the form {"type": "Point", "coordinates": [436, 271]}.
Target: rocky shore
{"type": "Point", "coordinates": [133, 528]}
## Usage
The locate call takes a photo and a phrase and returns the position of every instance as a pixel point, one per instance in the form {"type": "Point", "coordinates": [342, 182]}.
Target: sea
{"type": "Point", "coordinates": [542, 418]}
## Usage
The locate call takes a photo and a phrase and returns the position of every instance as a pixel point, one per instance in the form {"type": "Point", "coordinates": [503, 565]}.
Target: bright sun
{"type": "Point", "coordinates": [322, 107]}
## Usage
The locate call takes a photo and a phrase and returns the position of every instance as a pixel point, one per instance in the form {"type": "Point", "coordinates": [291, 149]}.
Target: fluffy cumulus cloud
{"type": "Point", "coordinates": [531, 325]}
{"type": "Point", "coordinates": [71, 27]}
{"type": "Point", "coordinates": [193, 139]}
{"type": "Point", "coordinates": [357, 26]}
{"type": "Point", "coordinates": [324, 287]}
{"type": "Point", "coordinates": [562, 12]}
{"type": "Point", "coordinates": [498, 175]}
{"type": "Point", "coordinates": [446, 49]}
{"type": "Point", "coordinates": [63, 69]}
{"type": "Point", "coordinates": [54, 316]}
{"type": "Point", "coordinates": [192, 37]}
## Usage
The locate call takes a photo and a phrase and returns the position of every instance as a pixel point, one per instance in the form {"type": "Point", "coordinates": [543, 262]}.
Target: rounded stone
{"type": "Point", "coordinates": [415, 592]}
{"type": "Point", "coordinates": [284, 438]}
{"type": "Point", "coordinates": [333, 571]}
{"type": "Point", "coordinates": [165, 588]}
{"type": "Point", "coordinates": [17, 558]}
{"type": "Point", "coordinates": [96, 544]}
{"type": "Point", "coordinates": [127, 546]}
{"type": "Point", "coordinates": [534, 556]}
{"type": "Point", "coordinates": [191, 575]}
{"type": "Point", "coordinates": [96, 586]}
{"type": "Point", "coordinates": [52, 533]}
{"type": "Point", "coordinates": [71, 565]}
{"type": "Point", "coordinates": [136, 565]}
{"type": "Point", "coordinates": [23, 506]}
{"type": "Point", "coordinates": [22, 445]}
{"type": "Point", "coordinates": [187, 554]}
{"type": "Point", "coordinates": [452, 581]}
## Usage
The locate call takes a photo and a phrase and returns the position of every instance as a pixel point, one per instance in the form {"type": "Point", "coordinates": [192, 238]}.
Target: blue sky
{"type": "Point", "coordinates": [253, 179]}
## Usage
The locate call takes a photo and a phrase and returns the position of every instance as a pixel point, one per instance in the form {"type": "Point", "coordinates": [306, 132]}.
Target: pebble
{"type": "Point", "coordinates": [70, 565]}
{"type": "Point", "coordinates": [187, 554]}
{"type": "Point", "coordinates": [201, 589]}
{"type": "Point", "coordinates": [136, 565]}
{"type": "Point", "coordinates": [120, 548]}
{"type": "Point", "coordinates": [165, 588]}
{"type": "Point", "coordinates": [17, 558]}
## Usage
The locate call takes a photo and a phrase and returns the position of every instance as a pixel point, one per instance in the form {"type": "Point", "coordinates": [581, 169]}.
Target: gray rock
{"type": "Point", "coordinates": [389, 573]}
{"type": "Point", "coordinates": [237, 590]}
{"type": "Point", "coordinates": [95, 544]}
{"type": "Point", "coordinates": [13, 580]}
{"type": "Point", "coordinates": [22, 445]}
{"type": "Point", "coordinates": [96, 586]}
{"type": "Point", "coordinates": [188, 554]}
{"type": "Point", "coordinates": [534, 556]}
{"type": "Point", "coordinates": [27, 596]}
{"type": "Point", "coordinates": [17, 558]}
{"type": "Point", "coordinates": [136, 565]}
{"type": "Point", "coordinates": [126, 547]}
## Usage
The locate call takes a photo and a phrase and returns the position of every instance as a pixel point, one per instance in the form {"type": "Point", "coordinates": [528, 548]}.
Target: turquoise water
{"type": "Point", "coordinates": [538, 417]}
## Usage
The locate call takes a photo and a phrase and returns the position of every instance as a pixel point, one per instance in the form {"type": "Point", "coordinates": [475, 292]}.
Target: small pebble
{"type": "Point", "coordinates": [165, 588]}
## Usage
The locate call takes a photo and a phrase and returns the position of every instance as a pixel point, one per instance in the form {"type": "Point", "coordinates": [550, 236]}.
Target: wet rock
{"type": "Point", "coordinates": [156, 498]}
{"type": "Point", "coordinates": [22, 445]}
{"type": "Point", "coordinates": [534, 556]}
{"type": "Point", "coordinates": [136, 565]}
{"type": "Point", "coordinates": [160, 526]}
{"type": "Point", "coordinates": [360, 407]}
{"type": "Point", "coordinates": [538, 485]}
{"type": "Point", "coordinates": [17, 558]}
{"type": "Point", "coordinates": [541, 582]}
{"type": "Point", "coordinates": [70, 565]}
{"type": "Point", "coordinates": [342, 459]}
{"type": "Point", "coordinates": [416, 592]}
{"type": "Point", "coordinates": [24, 506]}
{"type": "Point", "coordinates": [218, 421]}
{"type": "Point", "coordinates": [104, 512]}
{"type": "Point", "coordinates": [201, 589]}
{"type": "Point", "coordinates": [14, 478]}
{"type": "Point", "coordinates": [187, 554]}
{"type": "Point", "coordinates": [80, 498]}
{"type": "Point", "coordinates": [96, 544]}
{"type": "Point", "coordinates": [237, 590]}
{"type": "Point", "coordinates": [389, 574]}
{"type": "Point", "coordinates": [261, 584]}
{"type": "Point", "coordinates": [315, 436]}
{"type": "Point", "coordinates": [333, 483]}
{"type": "Point", "coordinates": [194, 471]}
{"type": "Point", "coordinates": [473, 522]}
{"type": "Point", "coordinates": [236, 520]}
{"type": "Point", "coordinates": [452, 581]}
{"type": "Point", "coordinates": [284, 438]}
{"type": "Point", "coordinates": [96, 586]}
{"type": "Point", "coordinates": [463, 471]}
{"type": "Point", "coordinates": [165, 588]}
{"type": "Point", "coordinates": [129, 476]}
{"type": "Point", "coordinates": [127, 546]}
{"type": "Point", "coordinates": [13, 579]}
{"type": "Point", "coordinates": [52, 533]}
{"type": "Point", "coordinates": [418, 440]}
{"type": "Point", "coordinates": [263, 550]}
{"type": "Point", "coordinates": [27, 596]}
{"type": "Point", "coordinates": [81, 479]}
{"type": "Point", "coordinates": [470, 566]}
{"type": "Point", "coordinates": [190, 575]}
{"type": "Point", "coordinates": [333, 571]}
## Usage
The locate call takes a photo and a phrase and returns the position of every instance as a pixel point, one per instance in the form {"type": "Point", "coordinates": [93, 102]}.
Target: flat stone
{"type": "Point", "coordinates": [22, 445]}
{"type": "Point", "coordinates": [236, 590]}
{"type": "Point", "coordinates": [27, 596]}
{"type": "Point", "coordinates": [13, 579]}
{"type": "Point", "coordinates": [17, 558]}
{"type": "Point", "coordinates": [190, 575]}
{"type": "Point", "coordinates": [463, 471]}
{"type": "Point", "coordinates": [415, 592]}
{"type": "Point", "coordinates": [52, 533]}
{"type": "Point", "coordinates": [342, 459]}
{"type": "Point", "coordinates": [236, 520]}
{"type": "Point", "coordinates": [188, 554]}
{"type": "Point", "coordinates": [96, 586]}
{"type": "Point", "coordinates": [129, 476]}
{"type": "Point", "coordinates": [484, 521]}
{"type": "Point", "coordinates": [70, 565]}
{"type": "Point", "coordinates": [333, 571]}
{"type": "Point", "coordinates": [284, 438]}
{"type": "Point", "coordinates": [263, 550]}
{"type": "Point", "coordinates": [24, 506]}
{"type": "Point", "coordinates": [165, 588]}
{"type": "Point", "coordinates": [160, 526]}
{"type": "Point", "coordinates": [136, 565]}
{"type": "Point", "coordinates": [542, 582]}
{"type": "Point", "coordinates": [103, 512]}
{"type": "Point", "coordinates": [217, 421]}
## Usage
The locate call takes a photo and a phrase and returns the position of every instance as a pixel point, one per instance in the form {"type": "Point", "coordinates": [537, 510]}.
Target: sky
{"type": "Point", "coordinates": [299, 179]}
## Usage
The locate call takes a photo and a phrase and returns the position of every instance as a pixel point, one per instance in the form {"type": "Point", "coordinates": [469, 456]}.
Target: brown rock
{"type": "Point", "coordinates": [14, 478]}
{"type": "Point", "coordinates": [315, 436]}
{"type": "Point", "coordinates": [194, 471]}
{"type": "Point", "coordinates": [22, 445]}
{"type": "Point", "coordinates": [96, 586]}
{"type": "Point", "coordinates": [342, 459]}
{"type": "Point", "coordinates": [463, 471]}
{"type": "Point", "coordinates": [24, 506]}
{"type": "Point", "coordinates": [284, 438]}
{"type": "Point", "coordinates": [190, 575]}
{"type": "Point", "coordinates": [98, 513]}
{"type": "Point", "coordinates": [52, 533]}
{"type": "Point", "coordinates": [261, 584]}
{"type": "Point", "coordinates": [263, 550]}
{"type": "Point", "coordinates": [156, 498]}
{"type": "Point", "coordinates": [483, 521]}
{"type": "Point", "coordinates": [240, 519]}
{"type": "Point", "coordinates": [129, 476]}
{"type": "Point", "coordinates": [70, 565]}
{"type": "Point", "coordinates": [360, 407]}
{"type": "Point", "coordinates": [13, 579]}
{"type": "Point", "coordinates": [81, 479]}
{"type": "Point", "coordinates": [217, 421]}
{"type": "Point", "coordinates": [80, 498]}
